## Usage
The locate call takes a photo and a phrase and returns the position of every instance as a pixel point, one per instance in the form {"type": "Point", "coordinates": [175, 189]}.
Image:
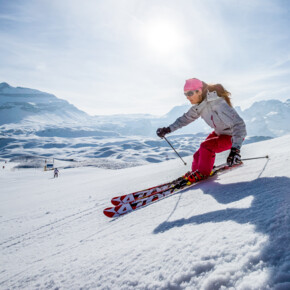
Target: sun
{"type": "Point", "coordinates": [162, 37]}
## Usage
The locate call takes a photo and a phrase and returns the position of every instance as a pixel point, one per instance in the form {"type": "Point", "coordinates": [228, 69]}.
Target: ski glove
{"type": "Point", "coordinates": [161, 132]}
{"type": "Point", "coordinates": [234, 157]}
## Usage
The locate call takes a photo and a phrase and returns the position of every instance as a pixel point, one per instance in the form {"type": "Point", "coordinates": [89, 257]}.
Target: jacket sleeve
{"type": "Point", "coordinates": [186, 119]}
{"type": "Point", "coordinates": [230, 117]}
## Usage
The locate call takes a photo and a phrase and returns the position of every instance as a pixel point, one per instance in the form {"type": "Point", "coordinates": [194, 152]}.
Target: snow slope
{"type": "Point", "coordinates": [230, 232]}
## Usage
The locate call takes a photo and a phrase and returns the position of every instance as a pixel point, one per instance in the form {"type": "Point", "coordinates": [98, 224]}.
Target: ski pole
{"type": "Point", "coordinates": [174, 150]}
{"type": "Point", "coordinates": [267, 156]}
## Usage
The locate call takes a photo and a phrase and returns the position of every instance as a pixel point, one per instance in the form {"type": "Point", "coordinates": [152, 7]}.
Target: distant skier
{"type": "Point", "coordinates": [56, 173]}
{"type": "Point", "coordinates": [213, 104]}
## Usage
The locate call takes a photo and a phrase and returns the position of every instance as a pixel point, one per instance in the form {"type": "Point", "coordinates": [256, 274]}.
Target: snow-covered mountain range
{"type": "Point", "coordinates": [27, 105]}
{"type": "Point", "coordinates": [40, 124]}
{"type": "Point", "coordinates": [23, 106]}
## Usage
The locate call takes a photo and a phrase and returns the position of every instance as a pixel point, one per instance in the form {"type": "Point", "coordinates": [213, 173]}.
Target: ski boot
{"type": "Point", "coordinates": [193, 177]}
{"type": "Point", "coordinates": [188, 178]}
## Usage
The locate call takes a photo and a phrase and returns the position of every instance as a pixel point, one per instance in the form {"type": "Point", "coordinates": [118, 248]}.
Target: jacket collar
{"type": "Point", "coordinates": [210, 96]}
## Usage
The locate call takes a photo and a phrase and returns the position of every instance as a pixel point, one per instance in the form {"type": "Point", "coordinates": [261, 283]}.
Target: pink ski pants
{"type": "Point", "coordinates": [204, 157]}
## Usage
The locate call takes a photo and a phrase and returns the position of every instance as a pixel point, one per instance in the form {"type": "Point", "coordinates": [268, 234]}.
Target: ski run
{"type": "Point", "coordinates": [230, 232]}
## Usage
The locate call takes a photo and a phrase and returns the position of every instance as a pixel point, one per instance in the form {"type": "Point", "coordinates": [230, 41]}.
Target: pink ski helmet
{"type": "Point", "coordinates": [192, 85]}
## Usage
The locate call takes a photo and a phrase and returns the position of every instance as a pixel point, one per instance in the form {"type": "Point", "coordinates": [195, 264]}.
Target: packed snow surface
{"type": "Point", "coordinates": [229, 232]}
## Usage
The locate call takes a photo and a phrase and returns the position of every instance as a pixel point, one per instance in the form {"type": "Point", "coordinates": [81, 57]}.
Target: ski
{"type": "Point", "coordinates": [124, 208]}
{"type": "Point", "coordinates": [131, 197]}
{"type": "Point", "coordinates": [135, 196]}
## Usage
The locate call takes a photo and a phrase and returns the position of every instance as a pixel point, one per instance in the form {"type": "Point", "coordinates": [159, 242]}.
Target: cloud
{"type": "Point", "coordinates": [106, 56]}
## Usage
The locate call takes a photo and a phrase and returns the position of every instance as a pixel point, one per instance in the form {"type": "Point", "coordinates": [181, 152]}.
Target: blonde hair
{"type": "Point", "coordinates": [221, 91]}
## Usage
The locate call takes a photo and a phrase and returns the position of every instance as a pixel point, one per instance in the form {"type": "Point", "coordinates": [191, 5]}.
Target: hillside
{"type": "Point", "coordinates": [18, 105]}
{"type": "Point", "coordinates": [231, 232]}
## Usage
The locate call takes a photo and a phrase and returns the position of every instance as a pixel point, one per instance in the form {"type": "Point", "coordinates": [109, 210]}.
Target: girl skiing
{"type": "Point", "coordinates": [213, 104]}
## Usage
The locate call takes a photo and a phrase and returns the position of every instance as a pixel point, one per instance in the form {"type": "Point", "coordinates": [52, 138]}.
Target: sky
{"type": "Point", "coordinates": [133, 57]}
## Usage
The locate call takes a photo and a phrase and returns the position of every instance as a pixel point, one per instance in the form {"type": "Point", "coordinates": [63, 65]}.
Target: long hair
{"type": "Point", "coordinates": [221, 91]}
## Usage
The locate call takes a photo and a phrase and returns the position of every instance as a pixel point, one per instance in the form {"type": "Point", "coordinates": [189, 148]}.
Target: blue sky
{"type": "Point", "coordinates": [133, 56]}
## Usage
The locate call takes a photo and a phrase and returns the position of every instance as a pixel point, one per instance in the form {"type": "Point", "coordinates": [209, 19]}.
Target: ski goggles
{"type": "Point", "coordinates": [190, 93]}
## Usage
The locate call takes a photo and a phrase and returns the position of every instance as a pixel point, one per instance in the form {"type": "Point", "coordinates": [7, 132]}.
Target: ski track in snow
{"type": "Point", "coordinates": [230, 232]}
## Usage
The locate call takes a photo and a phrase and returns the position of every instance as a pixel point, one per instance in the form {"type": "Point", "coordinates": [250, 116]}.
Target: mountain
{"type": "Point", "coordinates": [229, 232]}
{"type": "Point", "coordinates": [27, 105]}
{"type": "Point", "coordinates": [41, 111]}
{"type": "Point", "coordinates": [40, 125]}
{"type": "Point", "coordinates": [268, 118]}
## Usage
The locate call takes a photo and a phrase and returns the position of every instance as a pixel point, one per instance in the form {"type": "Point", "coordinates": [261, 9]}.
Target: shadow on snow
{"type": "Point", "coordinates": [269, 212]}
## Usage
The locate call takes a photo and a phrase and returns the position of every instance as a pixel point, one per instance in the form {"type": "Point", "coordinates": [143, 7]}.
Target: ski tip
{"type": "Point", "coordinates": [115, 202]}
{"type": "Point", "coordinates": [109, 212]}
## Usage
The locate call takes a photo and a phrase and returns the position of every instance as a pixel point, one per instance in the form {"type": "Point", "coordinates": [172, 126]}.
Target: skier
{"type": "Point", "coordinates": [55, 173]}
{"type": "Point", "coordinates": [213, 104]}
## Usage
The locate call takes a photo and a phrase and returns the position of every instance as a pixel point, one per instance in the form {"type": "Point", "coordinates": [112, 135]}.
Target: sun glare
{"type": "Point", "coordinates": [162, 37]}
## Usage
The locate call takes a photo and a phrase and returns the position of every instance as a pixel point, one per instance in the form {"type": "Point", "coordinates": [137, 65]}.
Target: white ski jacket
{"type": "Point", "coordinates": [218, 115]}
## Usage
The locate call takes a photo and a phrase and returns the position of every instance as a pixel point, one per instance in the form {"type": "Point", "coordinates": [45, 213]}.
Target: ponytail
{"type": "Point", "coordinates": [221, 92]}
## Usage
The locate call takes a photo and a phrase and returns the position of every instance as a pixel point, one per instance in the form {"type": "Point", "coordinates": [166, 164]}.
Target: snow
{"type": "Point", "coordinates": [230, 232]}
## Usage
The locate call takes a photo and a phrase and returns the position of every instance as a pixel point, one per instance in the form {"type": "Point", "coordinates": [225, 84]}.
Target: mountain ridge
{"type": "Point", "coordinates": [27, 106]}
